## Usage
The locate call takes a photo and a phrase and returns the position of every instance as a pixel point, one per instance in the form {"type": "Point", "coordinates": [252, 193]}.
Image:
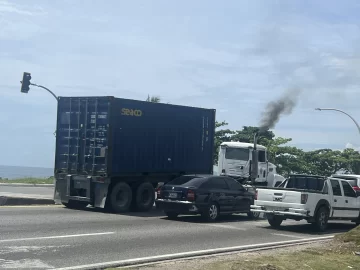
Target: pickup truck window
{"type": "Point", "coordinates": [336, 187]}
{"type": "Point", "coordinates": [305, 182]}
{"type": "Point", "coordinates": [348, 190]}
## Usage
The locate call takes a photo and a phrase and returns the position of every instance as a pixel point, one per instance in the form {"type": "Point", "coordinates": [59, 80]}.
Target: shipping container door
{"type": "Point", "coordinates": [82, 135]}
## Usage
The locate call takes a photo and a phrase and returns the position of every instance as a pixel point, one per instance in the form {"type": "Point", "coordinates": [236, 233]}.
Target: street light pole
{"type": "Point", "coordinates": [337, 110]}
{"type": "Point", "coordinates": [34, 84]}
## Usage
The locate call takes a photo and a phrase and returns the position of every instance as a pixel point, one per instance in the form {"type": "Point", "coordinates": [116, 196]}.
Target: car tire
{"type": "Point", "coordinates": [120, 198]}
{"type": "Point", "coordinates": [253, 215]}
{"type": "Point", "coordinates": [321, 219]}
{"type": "Point", "coordinates": [275, 221]}
{"type": "Point", "coordinates": [76, 204]}
{"type": "Point", "coordinates": [171, 215]}
{"type": "Point", "coordinates": [211, 213]}
{"type": "Point", "coordinates": [144, 197]}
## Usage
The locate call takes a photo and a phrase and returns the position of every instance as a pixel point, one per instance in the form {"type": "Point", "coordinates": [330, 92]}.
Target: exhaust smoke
{"type": "Point", "coordinates": [275, 109]}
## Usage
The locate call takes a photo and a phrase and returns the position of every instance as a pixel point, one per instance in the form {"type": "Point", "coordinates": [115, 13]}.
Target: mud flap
{"type": "Point", "coordinates": [100, 193]}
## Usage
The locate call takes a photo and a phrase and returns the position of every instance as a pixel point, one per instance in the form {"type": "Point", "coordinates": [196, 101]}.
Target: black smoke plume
{"type": "Point", "coordinates": [275, 109]}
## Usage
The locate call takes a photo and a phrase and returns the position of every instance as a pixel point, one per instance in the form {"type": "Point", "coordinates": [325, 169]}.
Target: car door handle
{"type": "Point", "coordinates": [335, 200]}
{"type": "Point", "coordinates": [346, 201]}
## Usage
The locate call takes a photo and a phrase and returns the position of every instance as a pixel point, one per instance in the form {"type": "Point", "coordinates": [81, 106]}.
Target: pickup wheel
{"type": "Point", "coordinates": [321, 219]}
{"type": "Point", "coordinates": [120, 197]}
{"type": "Point", "coordinates": [275, 221]}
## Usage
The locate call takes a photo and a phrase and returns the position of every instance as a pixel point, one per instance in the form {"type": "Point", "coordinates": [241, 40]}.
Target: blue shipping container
{"type": "Point", "coordinates": [107, 136]}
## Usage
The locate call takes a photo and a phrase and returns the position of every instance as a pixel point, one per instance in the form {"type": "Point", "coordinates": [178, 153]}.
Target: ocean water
{"type": "Point", "coordinates": [12, 172]}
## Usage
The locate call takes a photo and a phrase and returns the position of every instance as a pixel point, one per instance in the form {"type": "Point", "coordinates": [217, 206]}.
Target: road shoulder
{"type": "Point", "coordinates": [339, 253]}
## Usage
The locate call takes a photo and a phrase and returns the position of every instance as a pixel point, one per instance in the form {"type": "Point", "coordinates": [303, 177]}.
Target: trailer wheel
{"type": "Point", "coordinates": [145, 197]}
{"type": "Point", "coordinates": [120, 197]}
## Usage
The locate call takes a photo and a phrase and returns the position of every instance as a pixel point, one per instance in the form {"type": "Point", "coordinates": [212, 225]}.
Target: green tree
{"type": "Point", "coordinates": [221, 135]}
{"type": "Point", "coordinates": [247, 135]}
{"type": "Point", "coordinates": [353, 161]}
{"type": "Point", "coordinates": [154, 99]}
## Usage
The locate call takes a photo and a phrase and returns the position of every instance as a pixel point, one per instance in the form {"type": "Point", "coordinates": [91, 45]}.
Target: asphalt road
{"type": "Point", "coordinates": [43, 192]}
{"type": "Point", "coordinates": [53, 236]}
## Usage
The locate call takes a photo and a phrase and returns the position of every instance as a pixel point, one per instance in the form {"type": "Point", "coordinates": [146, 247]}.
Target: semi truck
{"type": "Point", "coordinates": [112, 152]}
{"type": "Point", "coordinates": [248, 163]}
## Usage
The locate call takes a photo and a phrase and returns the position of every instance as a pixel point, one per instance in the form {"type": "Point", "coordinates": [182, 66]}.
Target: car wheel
{"type": "Point", "coordinates": [253, 215]}
{"type": "Point", "coordinates": [171, 215]}
{"type": "Point", "coordinates": [211, 213]}
{"type": "Point", "coordinates": [321, 219]}
{"type": "Point", "coordinates": [275, 221]}
{"type": "Point", "coordinates": [120, 197]}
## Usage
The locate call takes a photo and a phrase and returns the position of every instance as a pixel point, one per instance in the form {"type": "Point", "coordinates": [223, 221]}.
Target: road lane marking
{"type": "Point", "coordinates": [189, 254]}
{"type": "Point", "coordinates": [288, 235]}
{"type": "Point", "coordinates": [32, 206]}
{"type": "Point", "coordinates": [55, 237]}
{"type": "Point", "coordinates": [225, 226]}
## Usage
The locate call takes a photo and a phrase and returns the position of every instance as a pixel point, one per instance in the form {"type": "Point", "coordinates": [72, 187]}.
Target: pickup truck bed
{"type": "Point", "coordinates": [327, 199]}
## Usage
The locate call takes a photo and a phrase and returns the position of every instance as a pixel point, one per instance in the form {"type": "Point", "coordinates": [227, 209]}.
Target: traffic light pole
{"type": "Point", "coordinates": [46, 90]}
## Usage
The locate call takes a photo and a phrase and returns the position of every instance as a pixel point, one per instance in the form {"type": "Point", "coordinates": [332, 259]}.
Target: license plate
{"type": "Point", "coordinates": [172, 195]}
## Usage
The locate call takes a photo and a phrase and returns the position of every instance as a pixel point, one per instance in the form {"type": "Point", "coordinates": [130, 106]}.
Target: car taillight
{"type": "Point", "coordinates": [191, 195]}
{"type": "Point", "coordinates": [158, 192]}
{"type": "Point", "coordinates": [304, 198]}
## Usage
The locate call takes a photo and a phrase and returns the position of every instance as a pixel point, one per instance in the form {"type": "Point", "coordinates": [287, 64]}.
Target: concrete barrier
{"type": "Point", "coordinates": [6, 200]}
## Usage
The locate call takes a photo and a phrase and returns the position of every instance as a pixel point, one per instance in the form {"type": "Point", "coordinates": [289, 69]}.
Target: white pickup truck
{"type": "Point", "coordinates": [313, 198]}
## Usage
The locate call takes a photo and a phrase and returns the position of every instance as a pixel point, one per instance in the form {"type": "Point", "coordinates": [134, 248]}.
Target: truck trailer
{"type": "Point", "coordinates": [112, 152]}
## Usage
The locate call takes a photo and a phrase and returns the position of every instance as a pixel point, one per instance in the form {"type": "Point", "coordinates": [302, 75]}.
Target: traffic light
{"type": "Point", "coordinates": [25, 83]}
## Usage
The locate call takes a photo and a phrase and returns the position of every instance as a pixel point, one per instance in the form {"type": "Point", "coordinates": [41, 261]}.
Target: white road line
{"type": "Point", "coordinates": [288, 235]}
{"type": "Point", "coordinates": [225, 226]}
{"type": "Point", "coordinates": [55, 237]}
{"type": "Point", "coordinates": [166, 257]}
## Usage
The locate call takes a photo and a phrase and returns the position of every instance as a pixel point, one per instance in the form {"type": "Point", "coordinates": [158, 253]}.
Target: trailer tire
{"type": "Point", "coordinates": [144, 197]}
{"type": "Point", "coordinates": [120, 197]}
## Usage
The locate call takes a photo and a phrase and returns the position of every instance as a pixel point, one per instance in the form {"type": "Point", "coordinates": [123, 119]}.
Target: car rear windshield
{"type": "Point", "coordinates": [185, 180]}
{"type": "Point", "coordinates": [306, 182]}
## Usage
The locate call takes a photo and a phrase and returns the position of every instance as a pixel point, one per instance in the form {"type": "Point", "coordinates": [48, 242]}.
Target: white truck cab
{"type": "Point", "coordinates": [235, 161]}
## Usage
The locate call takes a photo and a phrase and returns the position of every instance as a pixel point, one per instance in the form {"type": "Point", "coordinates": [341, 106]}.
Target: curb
{"type": "Point", "coordinates": [25, 185]}
{"type": "Point", "coordinates": [194, 254]}
{"type": "Point", "coordinates": [5, 201]}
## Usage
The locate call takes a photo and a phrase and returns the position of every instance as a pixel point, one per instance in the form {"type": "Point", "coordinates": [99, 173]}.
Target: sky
{"type": "Point", "coordinates": [232, 56]}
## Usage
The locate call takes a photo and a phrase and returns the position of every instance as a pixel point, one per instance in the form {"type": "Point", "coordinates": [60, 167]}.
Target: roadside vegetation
{"type": "Point", "coordinates": [290, 159]}
{"type": "Point", "coordinates": [341, 253]}
{"type": "Point", "coordinates": [29, 180]}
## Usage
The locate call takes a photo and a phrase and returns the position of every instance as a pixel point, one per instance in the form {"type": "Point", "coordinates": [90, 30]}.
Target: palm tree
{"type": "Point", "coordinates": [154, 99]}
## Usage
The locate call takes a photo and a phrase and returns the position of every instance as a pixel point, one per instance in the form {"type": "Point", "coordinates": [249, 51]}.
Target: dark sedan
{"type": "Point", "coordinates": [209, 196]}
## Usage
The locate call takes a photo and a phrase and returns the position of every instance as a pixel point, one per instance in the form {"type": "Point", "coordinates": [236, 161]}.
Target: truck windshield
{"type": "Point", "coordinates": [237, 153]}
